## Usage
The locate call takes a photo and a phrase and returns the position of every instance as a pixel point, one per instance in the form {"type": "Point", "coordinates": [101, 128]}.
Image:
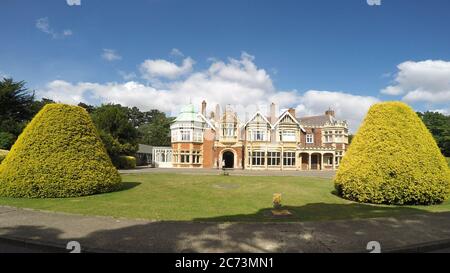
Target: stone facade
{"type": "Point", "coordinates": [273, 142]}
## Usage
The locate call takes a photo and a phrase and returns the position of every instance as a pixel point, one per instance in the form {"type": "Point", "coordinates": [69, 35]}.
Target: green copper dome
{"type": "Point", "coordinates": [188, 113]}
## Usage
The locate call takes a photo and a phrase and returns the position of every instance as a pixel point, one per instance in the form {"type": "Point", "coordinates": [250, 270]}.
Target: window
{"type": "Point", "coordinates": [184, 158]}
{"type": "Point", "coordinates": [288, 136]}
{"type": "Point", "coordinates": [289, 158]}
{"type": "Point", "coordinates": [185, 135]}
{"type": "Point", "coordinates": [198, 137]}
{"type": "Point", "coordinates": [309, 138]}
{"type": "Point", "coordinates": [228, 130]}
{"type": "Point", "coordinates": [258, 135]}
{"type": "Point", "coordinates": [196, 157]}
{"type": "Point", "coordinates": [329, 138]}
{"type": "Point", "coordinates": [273, 158]}
{"type": "Point", "coordinates": [258, 158]}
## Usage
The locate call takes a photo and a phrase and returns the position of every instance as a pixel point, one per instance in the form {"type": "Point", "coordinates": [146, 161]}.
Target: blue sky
{"type": "Point", "coordinates": [293, 52]}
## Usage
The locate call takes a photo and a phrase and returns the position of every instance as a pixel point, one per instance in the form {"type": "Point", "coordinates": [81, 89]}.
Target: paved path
{"type": "Point", "coordinates": [105, 234]}
{"type": "Point", "coordinates": [324, 174]}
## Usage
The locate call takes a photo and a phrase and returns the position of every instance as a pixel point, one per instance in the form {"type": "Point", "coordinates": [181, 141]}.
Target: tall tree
{"type": "Point", "coordinates": [116, 130]}
{"type": "Point", "coordinates": [157, 131]}
{"type": "Point", "coordinates": [439, 126]}
{"type": "Point", "coordinates": [16, 109]}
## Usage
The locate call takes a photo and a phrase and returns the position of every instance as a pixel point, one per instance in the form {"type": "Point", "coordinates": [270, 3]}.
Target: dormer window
{"type": "Point", "coordinates": [309, 138]}
{"type": "Point", "coordinates": [258, 135]}
{"type": "Point", "coordinates": [228, 130]}
{"type": "Point", "coordinates": [288, 136]}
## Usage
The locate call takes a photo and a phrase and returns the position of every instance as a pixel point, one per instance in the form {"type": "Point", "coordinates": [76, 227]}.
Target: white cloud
{"type": "Point", "coordinates": [155, 69]}
{"type": "Point", "coordinates": [73, 2]}
{"type": "Point", "coordinates": [238, 82]}
{"type": "Point", "coordinates": [350, 107]}
{"type": "Point", "coordinates": [425, 81]}
{"type": "Point", "coordinates": [110, 55]}
{"type": "Point", "coordinates": [43, 24]}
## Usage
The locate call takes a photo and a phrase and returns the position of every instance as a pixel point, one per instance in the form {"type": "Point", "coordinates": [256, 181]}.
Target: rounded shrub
{"type": "Point", "coordinates": [59, 154]}
{"type": "Point", "coordinates": [126, 162]}
{"type": "Point", "coordinates": [393, 159]}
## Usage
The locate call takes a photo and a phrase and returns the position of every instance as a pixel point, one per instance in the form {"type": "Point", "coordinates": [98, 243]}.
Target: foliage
{"type": "Point", "coordinates": [116, 131]}
{"type": "Point", "coordinates": [439, 126]}
{"type": "Point", "coordinates": [59, 154]}
{"type": "Point", "coordinates": [393, 159]}
{"type": "Point", "coordinates": [17, 107]}
{"type": "Point", "coordinates": [6, 140]}
{"type": "Point", "coordinates": [125, 162]}
{"type": "Point", "coordinates": [157, 131]}
{"type": "Point", "coordinates": [3, 154]}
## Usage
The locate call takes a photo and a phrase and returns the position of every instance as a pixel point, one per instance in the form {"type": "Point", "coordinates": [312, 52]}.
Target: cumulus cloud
{"type": "Point", "coordinates": [425, 81]}
{"type": "Point", "coordinates": [73, 2]}
{"type": "Point", "coordinates": [237, 82]}
{"type": "Point", "coordinates": [43, 24]}
{"type": "Point", "coordinates": [110, 55]}
{"type": "Point", "coordinates": [156, 69]}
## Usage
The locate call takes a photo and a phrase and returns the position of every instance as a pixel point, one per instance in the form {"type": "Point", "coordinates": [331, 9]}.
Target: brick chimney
{"type": "Point", "coordinates": [329, 112]}
{"type": "Point", "coordinates": [292, 112]}
{"type": "Point", "coordinates": [204, 108]}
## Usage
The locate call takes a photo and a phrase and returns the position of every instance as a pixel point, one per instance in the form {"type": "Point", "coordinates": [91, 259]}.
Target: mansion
{"type": "Point", "coordinates": [274, 141]}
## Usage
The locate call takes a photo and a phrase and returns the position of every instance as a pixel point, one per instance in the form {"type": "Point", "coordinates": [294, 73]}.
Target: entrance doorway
{"type": "Point", "coordinates": [228, 158]}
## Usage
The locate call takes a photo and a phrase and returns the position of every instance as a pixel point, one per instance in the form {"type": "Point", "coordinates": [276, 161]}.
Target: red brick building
{"type": "Point", "coordinates": [273, 142]}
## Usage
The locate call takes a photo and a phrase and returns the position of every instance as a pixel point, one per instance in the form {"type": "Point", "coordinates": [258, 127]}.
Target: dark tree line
{"type": "Point", "coordinates": [439, 126]}
{"type": "Point", "coordinates": [121, 128]}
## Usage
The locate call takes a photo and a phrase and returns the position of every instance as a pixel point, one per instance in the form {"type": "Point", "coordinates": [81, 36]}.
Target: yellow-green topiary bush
{"type": "Point", "coordinates": [3, 154]}
{"type": "Point", "coordinates": [59, 154]}
{"type": "Point", "coordinates": [393, 159]}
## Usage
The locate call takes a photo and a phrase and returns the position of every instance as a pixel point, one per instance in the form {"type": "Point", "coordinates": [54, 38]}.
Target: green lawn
{"type": "Point", "coordinates": [219, 198]}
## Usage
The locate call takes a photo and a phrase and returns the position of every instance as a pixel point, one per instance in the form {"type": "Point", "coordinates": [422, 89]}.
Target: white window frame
{"type": "Point", "coordinates": [289, 159]}
{"type": "Point", "coordinates": [258, 158]}
{"type": "Point", "coordinates": [288, 136]}
{"type": "Point", "coordinates": [273, 158]}
{"type": "Point", "coordinates": [310, 138]}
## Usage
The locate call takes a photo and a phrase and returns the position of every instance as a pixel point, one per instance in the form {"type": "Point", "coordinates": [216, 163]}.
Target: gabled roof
{"type": "Point", "coordinates": [254, 116]}
{"type": "Point", "coordinates": [317, 120]}
{"type": "Point", "coordinates": [286, 113]}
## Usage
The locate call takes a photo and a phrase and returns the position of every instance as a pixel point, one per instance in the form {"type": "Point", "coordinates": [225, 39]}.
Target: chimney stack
{"type": "Point", "coordinates": [217, 114]}
{"type": "Point", "coordinates": [204, 108]}
{"type": "Point", "coordinates": [272, 113]}
{"type": "Point", "coordinates": [292, 112]}
{"type": "Point", "coordinates": [329, 112]}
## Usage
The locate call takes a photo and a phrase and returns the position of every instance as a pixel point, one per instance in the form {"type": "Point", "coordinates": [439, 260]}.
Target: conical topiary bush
{"type": "Point", "coordinates": [59, 154]}
{"type": "Point", "coordinates": [393, 159]}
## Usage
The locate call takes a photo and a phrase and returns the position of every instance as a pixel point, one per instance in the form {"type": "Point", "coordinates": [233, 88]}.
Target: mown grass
{"type": "Point", "coordinates": [220, 198]}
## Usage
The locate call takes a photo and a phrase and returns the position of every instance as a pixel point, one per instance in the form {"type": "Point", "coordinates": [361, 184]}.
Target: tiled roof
{"type": "Point", "coordinates": [316, 120]}
{"type": "Point", "coordinates": [145, 149]}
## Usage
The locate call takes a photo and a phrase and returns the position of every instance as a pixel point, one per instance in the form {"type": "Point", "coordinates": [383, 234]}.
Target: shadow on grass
{"type": "Point", "coordinates": [128, 186]}
{"type": "Point", "coordinates": [319, 212]}
{"type": "Point", "coordinates": [104, 234]}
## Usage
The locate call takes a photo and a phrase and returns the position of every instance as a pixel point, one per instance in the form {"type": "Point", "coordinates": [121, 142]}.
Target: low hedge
{"type": "Point", "coordinates": [59, 154]}
{"type": "Point", "coordinates": [125, 162]}
{"type": "Point", "coordinates": [393, 159]}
